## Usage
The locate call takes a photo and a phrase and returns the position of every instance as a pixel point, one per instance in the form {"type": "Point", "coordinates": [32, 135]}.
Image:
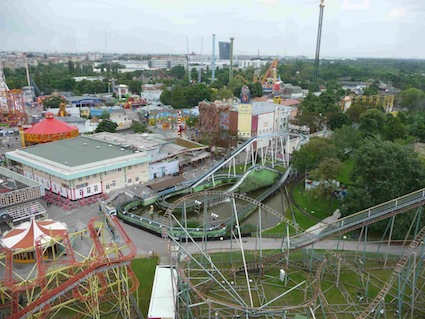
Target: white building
{"type": "Point", "coordinates": [81, 166]}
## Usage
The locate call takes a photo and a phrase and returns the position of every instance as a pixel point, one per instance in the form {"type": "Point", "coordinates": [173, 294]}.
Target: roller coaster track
{"type": "Point", "coordinates": [363, 218]}
{"type": "Point", "coordinates": [239, 150]}
{"type": "Point", "coordinates": [398, 269]}
{"type": "Point", "coordinates": [360, 219]}
{"type": "Point", "coordinates": [100, 263]}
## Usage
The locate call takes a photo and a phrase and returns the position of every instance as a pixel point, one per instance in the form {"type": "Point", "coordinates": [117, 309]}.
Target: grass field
{"type": "Point", "coordinates": [318, 208]}
{"type": "Point", "coordinates": [144, 268]}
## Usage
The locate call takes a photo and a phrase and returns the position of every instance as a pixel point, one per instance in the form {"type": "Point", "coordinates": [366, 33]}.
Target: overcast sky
{"type": "Point", "coordinates": [351, 28]}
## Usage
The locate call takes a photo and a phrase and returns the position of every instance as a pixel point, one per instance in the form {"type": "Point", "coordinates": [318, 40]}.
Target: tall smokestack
{"type": "Point", "coordinates": [213, 59]}
{"type": "Point", "coordinates": [231, 59]}
{"type": "Point", "coordinates": [319, 37]}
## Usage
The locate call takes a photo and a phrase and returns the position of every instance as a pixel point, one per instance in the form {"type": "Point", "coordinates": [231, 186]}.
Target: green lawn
{"type": "Point", "coordinates": [318, 208]}
{"type": "Point", "coordinates": [344, 175]}
{"type": "Point", "coordinates": [144, 268]}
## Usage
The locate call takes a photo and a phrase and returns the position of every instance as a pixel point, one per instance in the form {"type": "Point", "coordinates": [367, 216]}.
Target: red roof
{"type": "Point", "coordinates": [50, 125]}
{"type": "Point", "coordinates": [290, 102]}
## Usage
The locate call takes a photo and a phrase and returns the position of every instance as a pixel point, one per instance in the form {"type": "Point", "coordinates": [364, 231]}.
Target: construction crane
{"type": "Point", "coordinates": [271, 71]}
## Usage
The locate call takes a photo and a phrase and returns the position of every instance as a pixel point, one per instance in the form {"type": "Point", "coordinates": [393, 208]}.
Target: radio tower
{"type": "Point", "coordinates": [319, 37]}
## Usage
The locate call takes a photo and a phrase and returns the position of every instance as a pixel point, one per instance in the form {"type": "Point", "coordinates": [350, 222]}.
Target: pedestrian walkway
{"type": "Point", "coordinates": [320, 226]}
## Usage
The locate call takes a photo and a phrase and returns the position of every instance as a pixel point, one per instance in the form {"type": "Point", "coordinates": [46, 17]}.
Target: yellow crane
{"type": "Point", "coordinates": [272, 70]}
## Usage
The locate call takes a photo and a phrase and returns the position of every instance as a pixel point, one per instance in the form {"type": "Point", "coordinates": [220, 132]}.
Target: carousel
{"type": "Point", "coordinates": [23, 238]}
{"type": "Point", "coordinates": [49, 130]}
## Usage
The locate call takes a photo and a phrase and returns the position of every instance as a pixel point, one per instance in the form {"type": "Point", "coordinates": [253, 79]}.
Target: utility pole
{"type": "Point", "coordinates": [319, 37]}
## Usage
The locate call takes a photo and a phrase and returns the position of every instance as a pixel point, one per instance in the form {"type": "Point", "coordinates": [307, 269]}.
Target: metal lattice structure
{"type": "Point", "coordinates": [12, 106]}
{"type": "Point", "coordinates": [300, 274]}
{"type": "Point", "coordinates": [86, 274]}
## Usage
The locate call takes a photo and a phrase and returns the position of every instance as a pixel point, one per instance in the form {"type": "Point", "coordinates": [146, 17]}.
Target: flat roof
{"type": "Point", "coordinates": [77, 157]}
{"type": "Point", "coordinates": [77, 151]}
{"type": "Point", "coordinates": [162, 304]}
{"type": "Point", "coordinates": [266, 107]}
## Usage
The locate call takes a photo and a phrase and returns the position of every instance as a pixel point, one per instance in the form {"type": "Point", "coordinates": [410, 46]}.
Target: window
{"type": "Point", "coordinates": [114, 183]}
{"type": "Point", "coordinates": [119, 169]}
{"type": "Point", "coordinates": [80, 179]}
{"type": "Point", "coordinates": [137, 178]}
{"type": "Point", "coordinates": [94, 175]}
{"type": "Point", "coordinates": [87, 177]}
{"type": "Point", "coordinates": [130, 181]}
{"type": "Point", "coordinates": [107, 186]}
{"type": "Point", "coordinates": [81, 193]}
{"type": "Point", "coordinates": [88, 189]}
{"type": "Point", "coordinates": [95, 188]}
{"type": "Point", "coordinates": [54, 187]}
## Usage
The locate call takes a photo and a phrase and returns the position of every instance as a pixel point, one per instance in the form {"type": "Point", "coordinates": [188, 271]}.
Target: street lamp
{"type": "Point", "coordinates": [343, 242]}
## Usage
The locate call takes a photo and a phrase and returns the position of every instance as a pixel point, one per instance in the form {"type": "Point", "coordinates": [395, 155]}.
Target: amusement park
{"type": "Point", "coordinates": [216, 221]}
{"type": "Point", "coordinates": [166, 223]}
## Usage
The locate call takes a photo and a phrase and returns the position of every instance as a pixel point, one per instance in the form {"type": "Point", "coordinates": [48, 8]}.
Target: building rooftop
{"type": "Point", "coordinates": [77, 151]}
{"type": "Point", "coordinates": [77, 157]}
{"type": "Point", "coordinates": [266, 107]}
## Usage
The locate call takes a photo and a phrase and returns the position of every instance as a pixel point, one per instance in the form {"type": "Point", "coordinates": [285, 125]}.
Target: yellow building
{"type": "Point", "coordinates": [385, 101]}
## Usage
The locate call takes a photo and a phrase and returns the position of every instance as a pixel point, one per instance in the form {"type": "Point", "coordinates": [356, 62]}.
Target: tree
{"type": "Point", "coordinates": [221, 94]}
{"type": "Point", "coordinates": [372, 122]}
{"type": "Point", "coordinates": [346, 140]}
{"type": "Point", "coordinates": [106, 126]}
{"type": "Point", "coordinates": [394, 128]}
{"type": "Point", "coordinates": [326, 173]}
{"type": "Point", "coordinates": [309, 156]}
{"type": "Point", "coordinates": [138, 127]}
{"type": "Point", "coordinates": [382, 170]}
{"type": "Point", "coordinates": [315, 122]}
{"type": "Point", "coordinates": [217, 84]}
{"type": "Point", "coordinates": [417, 125]}
{"type": "Point", "coordinates": [413, 99]}
{"type": "Point", "coordinates": [337, 120]}
{"type": "Point", "coordinates": [165, 97]}
{"type": "Point", "coordinates": [71, 68]}
{"type": "Point", "coordinates": [178, 72]}
{"type": "Point", "coordinates": [53, 101]}
{"type": "Point", "coordinates": [105, 115]}
{"type": "Point", "coordinates": [355, 111]}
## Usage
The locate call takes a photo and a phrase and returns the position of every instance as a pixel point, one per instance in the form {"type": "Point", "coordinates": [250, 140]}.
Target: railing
{"type": "Point", "coordinates": [362, 218]}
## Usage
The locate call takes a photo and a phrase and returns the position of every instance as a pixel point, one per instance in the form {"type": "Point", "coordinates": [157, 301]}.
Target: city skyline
{"type": "Point", "coordinates": [351, 28]}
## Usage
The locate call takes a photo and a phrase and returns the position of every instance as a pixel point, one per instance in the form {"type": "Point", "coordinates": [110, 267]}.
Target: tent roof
{"type": "Point", "coordinates": [50, 125]}
{"type": "Point", "coordinates": [25, 235]}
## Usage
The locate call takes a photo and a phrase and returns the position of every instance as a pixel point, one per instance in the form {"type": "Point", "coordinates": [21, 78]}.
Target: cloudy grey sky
{"type": "Point", "coordinates": [351, 28]}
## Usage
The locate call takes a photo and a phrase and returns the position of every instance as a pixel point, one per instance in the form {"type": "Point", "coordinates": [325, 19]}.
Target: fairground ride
{"type": "Point", "coordinates": [328, 271]}
{"type": "Point", "coordinates": [12, 106]}
{"type": "Point", "coordinates": [85, 274]}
